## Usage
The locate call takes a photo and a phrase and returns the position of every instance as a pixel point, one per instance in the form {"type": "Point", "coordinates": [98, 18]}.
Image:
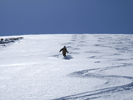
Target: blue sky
{"type": "Point", "coordinates": [65, 16]}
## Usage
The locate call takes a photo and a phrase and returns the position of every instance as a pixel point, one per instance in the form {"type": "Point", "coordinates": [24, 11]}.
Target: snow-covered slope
{"type": "Point", "coordinates": [99, 67]}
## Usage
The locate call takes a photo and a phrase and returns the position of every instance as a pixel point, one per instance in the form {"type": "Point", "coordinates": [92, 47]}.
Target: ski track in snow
{"type": "Point", "coordinates": [115, 52]}
{"type": "Point", "coordinates": [113, 89]}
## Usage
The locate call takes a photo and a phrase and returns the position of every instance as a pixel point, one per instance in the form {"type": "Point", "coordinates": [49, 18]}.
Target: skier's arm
{"type": "Point", "coordinates": [67, 51]}
{"type": "Point", "coordinates": [60, 50]}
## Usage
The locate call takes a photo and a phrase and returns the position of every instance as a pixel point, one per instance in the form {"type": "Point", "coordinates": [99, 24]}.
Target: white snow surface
{"type": "Point", "coordinates": [98, 67]}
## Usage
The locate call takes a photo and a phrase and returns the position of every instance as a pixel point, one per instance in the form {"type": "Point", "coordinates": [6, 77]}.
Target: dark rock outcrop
{"type": "Point", "coordinates": [9, 40]}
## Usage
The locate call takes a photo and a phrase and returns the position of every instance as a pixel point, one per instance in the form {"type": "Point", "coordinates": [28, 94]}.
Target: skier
{"type": "Point", "coordinates": [64, 50]}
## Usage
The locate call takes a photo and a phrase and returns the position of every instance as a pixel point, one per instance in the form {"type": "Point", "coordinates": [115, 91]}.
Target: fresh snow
{"type": "Point", "coordinates": [98, 67]}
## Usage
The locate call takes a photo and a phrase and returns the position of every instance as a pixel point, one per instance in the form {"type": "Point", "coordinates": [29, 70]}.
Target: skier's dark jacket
{"type": "Point", "coordinates": [64, 50]}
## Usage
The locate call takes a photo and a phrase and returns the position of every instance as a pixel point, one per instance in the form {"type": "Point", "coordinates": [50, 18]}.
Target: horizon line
{"type": "Point", "coordinates": [59, 33]}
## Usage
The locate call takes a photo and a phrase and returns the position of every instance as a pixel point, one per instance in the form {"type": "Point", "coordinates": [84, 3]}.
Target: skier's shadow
{"type": "Point", "coordinates": [68, 57]}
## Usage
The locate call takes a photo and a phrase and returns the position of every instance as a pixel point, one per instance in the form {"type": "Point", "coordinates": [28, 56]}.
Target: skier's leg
{"type": "Point", "coordinates": [64, 55]}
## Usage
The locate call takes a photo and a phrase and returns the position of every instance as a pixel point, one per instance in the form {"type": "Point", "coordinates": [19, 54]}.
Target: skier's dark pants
{"type": "Point", "coordinates": [64, 55]}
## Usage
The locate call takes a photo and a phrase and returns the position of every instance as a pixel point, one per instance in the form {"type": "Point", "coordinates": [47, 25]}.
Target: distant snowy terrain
{"type": "Point", "coordinates": [99, 67]}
